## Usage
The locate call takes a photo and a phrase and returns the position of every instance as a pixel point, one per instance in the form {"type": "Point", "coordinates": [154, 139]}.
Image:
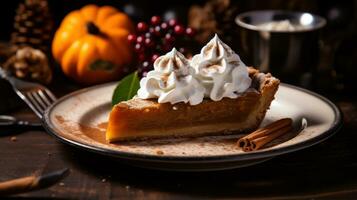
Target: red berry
{"type": "Point", "coordinates": [145, 64]}
{"type": "Point", "coordinates": [142, 27]}
{"type": "Point", "coordinates": [157, 30]}
{"type": "Point", "coordinates": [148, 35]}
{"type": "Point", "coordinates": [172, 22]}
{"type": "Point", "coordinates": [190, 32]}
{"type": "Point", "coordinates": [140, 39]}
{"type": "Point", "coordinates": [155, 20]}
{"type": "Point", "coordinates": [148, 42]}
{"type": "Point", "coordinates": [179, 29]}
{"type": "Point", "coordinates": [141, 57]}
{"type": "Point", "coordinates": [182, 50]}
{"type": "Point", "coordinates": [164, 26]}
{"type": "Point", "coordinates": [138, 48]}
{"type": "Point", "coordinates": [169, 38]}
{"type": "Point", "coordinates": [132, 38]}
{"type": "Point", "coordinates": [151, 30]}
{"type": "Point", "coordinates": [154, 57]}
{"type": "Point", "coordinates": [144, 68]}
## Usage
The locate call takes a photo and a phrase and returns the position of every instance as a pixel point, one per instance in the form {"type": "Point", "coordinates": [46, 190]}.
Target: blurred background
{"type": "Point", "coordinates": [334, 72]}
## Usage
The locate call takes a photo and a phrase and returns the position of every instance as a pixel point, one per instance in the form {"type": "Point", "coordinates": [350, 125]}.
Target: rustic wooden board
{"type": "Point", "coordinates": [325, 171]}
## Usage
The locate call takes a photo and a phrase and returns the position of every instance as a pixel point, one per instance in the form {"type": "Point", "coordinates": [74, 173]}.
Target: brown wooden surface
{"type": "Point", "coordinates": [324, 171]}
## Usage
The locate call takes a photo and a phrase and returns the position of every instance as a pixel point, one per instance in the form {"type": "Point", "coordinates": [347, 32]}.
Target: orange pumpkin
{"type": "Point", "coordinates": [91, 44]}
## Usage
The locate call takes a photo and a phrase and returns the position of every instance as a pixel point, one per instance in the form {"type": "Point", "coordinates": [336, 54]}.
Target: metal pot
{"type": "Point", "coordinates": [290, 54]}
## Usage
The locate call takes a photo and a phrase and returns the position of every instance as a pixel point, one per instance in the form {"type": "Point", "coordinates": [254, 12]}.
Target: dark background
{"type": "Point", "coordinates": [339, 13]}
{"type": "Point", "coordinates": [339, 36]}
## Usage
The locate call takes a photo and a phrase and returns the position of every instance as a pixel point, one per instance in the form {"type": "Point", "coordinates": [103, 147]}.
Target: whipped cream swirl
{"type": "Point", "coordinates": [219, 69]}
{"type": "Point", "coordinates": [172, 81]}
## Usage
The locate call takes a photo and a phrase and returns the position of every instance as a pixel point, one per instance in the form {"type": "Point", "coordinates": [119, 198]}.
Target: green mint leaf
{"type": "Point", "coordinates": [126, 88]}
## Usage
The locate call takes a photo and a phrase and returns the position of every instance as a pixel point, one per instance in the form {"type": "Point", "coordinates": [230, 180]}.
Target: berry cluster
{"type": "Point", "coordinates": [156, 38]}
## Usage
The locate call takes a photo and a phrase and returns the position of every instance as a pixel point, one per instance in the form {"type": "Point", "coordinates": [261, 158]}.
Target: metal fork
{"type": "Point", "coordinates": [36, 96]}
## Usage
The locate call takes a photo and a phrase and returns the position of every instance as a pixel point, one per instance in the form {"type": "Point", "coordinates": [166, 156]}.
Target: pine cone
{"type": "Point", "coordinates": [33, 25]}
{"type": "Point", "coordinates": [30, 64]}
{"type": "Point", "coordinates": [216, 16]}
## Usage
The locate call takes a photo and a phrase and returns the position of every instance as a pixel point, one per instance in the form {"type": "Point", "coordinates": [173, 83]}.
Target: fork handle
{"type": "Point", "coordinates": [3, 73]}
{"type": "Point", "coordinates": [9, 121]}
{"type": "Point", "coordinates": [28, 124]}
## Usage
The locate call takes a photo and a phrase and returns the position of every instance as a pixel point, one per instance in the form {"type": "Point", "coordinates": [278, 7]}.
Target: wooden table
{"type": "Point", "coordinates": [325, 171]}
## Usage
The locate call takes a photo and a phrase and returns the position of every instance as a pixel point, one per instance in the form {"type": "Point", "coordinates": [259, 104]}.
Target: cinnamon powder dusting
{"type": "Point", "coordinates": [96, 133]}
{"type": "Point", "coordinates": [103, 125]}
{"type": "Point", "coordinates": [60, 119]}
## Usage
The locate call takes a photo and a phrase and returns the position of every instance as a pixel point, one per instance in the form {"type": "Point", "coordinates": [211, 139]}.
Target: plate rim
{"type": "Point", "coordinates": [336, 125]}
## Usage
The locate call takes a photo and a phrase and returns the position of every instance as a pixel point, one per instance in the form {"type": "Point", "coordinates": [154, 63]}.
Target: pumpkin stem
{"type": "Point", "coordinates": [93, 29]}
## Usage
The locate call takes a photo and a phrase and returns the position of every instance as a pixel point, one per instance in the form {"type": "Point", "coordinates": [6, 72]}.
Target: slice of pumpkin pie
{"type": "Point", "coordinates": [213, 94]}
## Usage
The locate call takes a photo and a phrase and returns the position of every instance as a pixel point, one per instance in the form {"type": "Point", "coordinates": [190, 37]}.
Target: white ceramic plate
{"type": "Point", "coordinates": [80, 119]}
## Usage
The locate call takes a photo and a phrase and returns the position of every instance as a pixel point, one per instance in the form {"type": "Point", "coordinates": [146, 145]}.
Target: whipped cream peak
{"type": "Point", "coordinates": [172, 81]}
{"type": "Point", "coordinates": [216, 49]}
{"type": "Point", "coordinates": [220, 70]}
{"type": "Point", "coordinates": [172, 61]}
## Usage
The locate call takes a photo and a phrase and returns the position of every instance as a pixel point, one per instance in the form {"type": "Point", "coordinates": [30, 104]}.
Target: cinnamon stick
{"type": "Point", "coordinates": [259, 142]}
{"type": "Point", "coordinates": [262, 136]}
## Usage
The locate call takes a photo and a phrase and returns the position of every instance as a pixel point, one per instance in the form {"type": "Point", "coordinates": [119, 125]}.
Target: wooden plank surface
{"type": "Point", "coordinates": [324, 171]}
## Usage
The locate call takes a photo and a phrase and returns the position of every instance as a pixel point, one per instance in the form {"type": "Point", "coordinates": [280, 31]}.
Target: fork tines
{"type": "Point", "coordinates": [36, 96]}
{"type": "Point", "coordinates": [40, 99]}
